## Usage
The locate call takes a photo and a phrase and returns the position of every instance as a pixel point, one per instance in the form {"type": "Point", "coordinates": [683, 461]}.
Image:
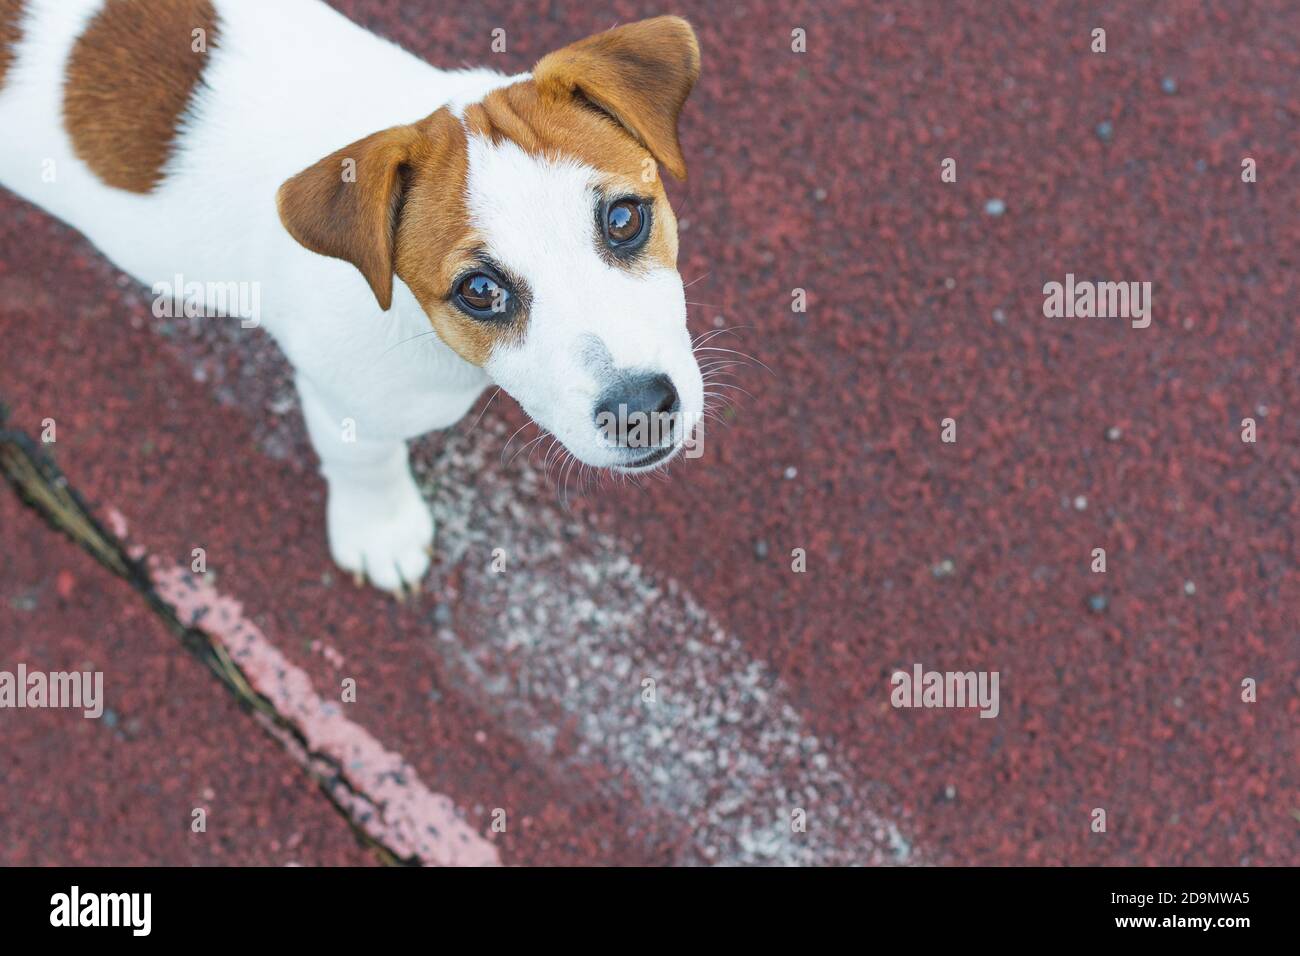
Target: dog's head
{"type": "Point", "coordinates": [534, 230]}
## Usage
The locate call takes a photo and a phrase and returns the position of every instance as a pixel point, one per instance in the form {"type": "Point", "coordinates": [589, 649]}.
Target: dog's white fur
{"type": "Point", "coordinates": [289, 82]}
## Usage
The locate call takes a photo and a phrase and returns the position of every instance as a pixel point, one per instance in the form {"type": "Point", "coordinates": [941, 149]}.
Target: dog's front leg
{"type": "Point", "coordinates": [378, 523]}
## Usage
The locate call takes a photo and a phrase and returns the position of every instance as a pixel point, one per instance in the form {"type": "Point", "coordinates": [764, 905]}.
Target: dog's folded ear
{"type": "Point", "coordinates": [346, 206]}
{"type": "Point", "coordinates": [640, 74]}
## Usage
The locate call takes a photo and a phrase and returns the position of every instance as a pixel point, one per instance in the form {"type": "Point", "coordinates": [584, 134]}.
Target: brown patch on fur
{"type": "Point", "coordinates": [555, 127]}
{"type": "Point", "coordinates": [435, 244]}
{"type": "Point", "coordinates": [639, 74]}
{"type": "Point", "coordinates": [130, 77]}
{"type": "Point", "coordinates": [346, 206]}
{"type": "Point", "coordinates": [11, 12]}
{"type": "Point", "coordinates": [394, 204]}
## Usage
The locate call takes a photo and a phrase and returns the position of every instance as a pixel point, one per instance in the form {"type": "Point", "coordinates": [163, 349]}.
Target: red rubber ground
{"type": "Point", "coordinates": [818, 171]}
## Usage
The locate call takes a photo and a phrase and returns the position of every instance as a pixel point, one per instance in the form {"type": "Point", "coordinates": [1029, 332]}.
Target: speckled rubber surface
{"type": "Point", "coordinates": [523, 692]}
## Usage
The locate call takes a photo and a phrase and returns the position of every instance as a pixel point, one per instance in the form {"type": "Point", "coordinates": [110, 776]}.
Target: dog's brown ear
{"type": "Point", "coordinates": [346, 205]}
{"type": "Point", "coordinates": [640, 74]}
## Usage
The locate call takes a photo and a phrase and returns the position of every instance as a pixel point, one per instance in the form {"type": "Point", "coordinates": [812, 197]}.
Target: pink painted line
{"type": "Point", "coordinates": [385, 796]}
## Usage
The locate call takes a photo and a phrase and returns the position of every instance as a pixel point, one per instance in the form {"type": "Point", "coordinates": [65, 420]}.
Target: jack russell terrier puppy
{"type": "Point", "coordinates": [415, 234]}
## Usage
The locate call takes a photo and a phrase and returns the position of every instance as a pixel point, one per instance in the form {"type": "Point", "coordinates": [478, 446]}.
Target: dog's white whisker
{"type": "Point", "coordinates": [506, 447]}
{"type": "Point", "coordinates": [568, 470]}
{"type": "Point", "coordinates": [525, 447]}
{"type": "Point", "coordinates": [717, 378]}
{"type": "Point", "coordinates": [706, 337]}
{"type": "Point", "coordinates": [717, 348]}
{"type": "Point", "coordinates": [485, 408]}
{"type": "Point", "coordinates": [721, 402]}
{"type": "Point", "coordinates": [720, 368]}
{"type": "Point", "coordinates": [744, 355]}
{"type": "Point", "coordinates": [546, 456]}
{"type": "Point", "coordinates": [413, 338]}
{"type": "Point", "coordinates": [725, 330]}
{"type": "Point", "coordinates": [579, 478]}
{"type": "Point", "coordinates": [557, 457]}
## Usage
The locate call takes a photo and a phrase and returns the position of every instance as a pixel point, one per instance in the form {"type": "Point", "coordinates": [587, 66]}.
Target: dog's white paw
{"type": "Point", "coordinates": [387, 537]}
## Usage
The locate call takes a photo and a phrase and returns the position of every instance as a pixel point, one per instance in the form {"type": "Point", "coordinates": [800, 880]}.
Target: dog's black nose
{"type": "Point", "coordinates": [637, 401]}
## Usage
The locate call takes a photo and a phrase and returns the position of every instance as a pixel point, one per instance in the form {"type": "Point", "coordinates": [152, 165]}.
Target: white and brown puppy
{"type": "Point", "coordinates": [370, 196]}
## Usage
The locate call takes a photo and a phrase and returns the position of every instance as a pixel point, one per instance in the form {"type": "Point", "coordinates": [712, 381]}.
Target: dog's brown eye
{"type": "Point", "coordinates": [624, 222]}
{"type": "Point", "coordinates": [482, 296]}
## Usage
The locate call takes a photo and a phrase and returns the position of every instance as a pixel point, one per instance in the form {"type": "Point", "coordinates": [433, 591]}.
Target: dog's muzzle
{"type": "Point", "coordinates": [640, 416]}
